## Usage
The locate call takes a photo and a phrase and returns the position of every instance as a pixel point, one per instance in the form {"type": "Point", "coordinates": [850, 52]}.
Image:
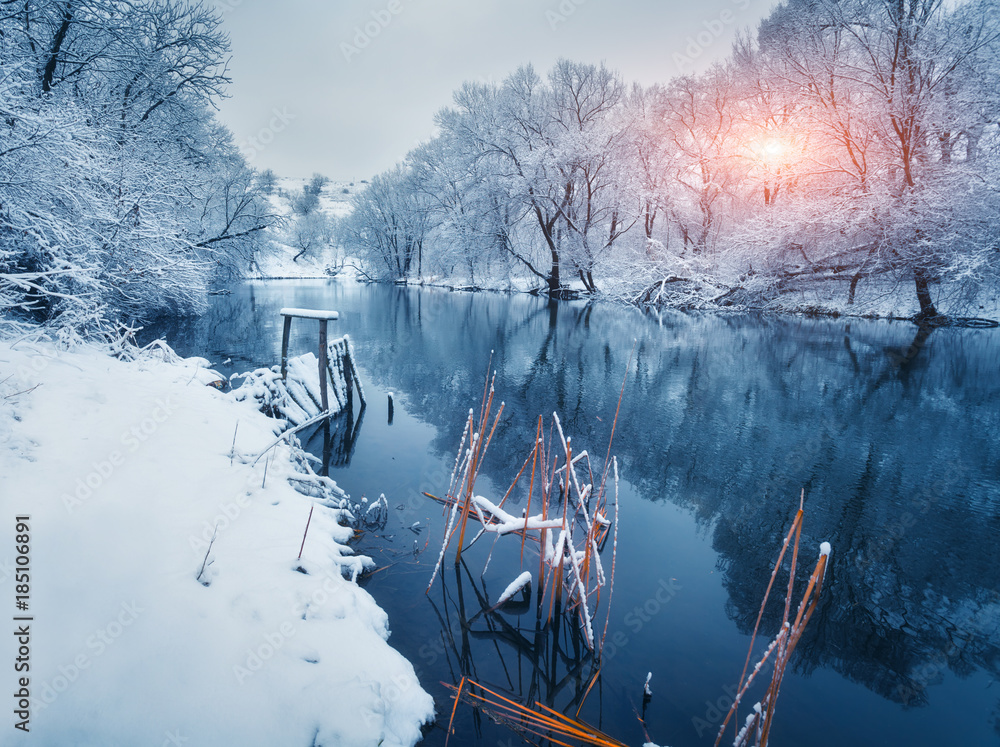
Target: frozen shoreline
{"type": "Point", "coordinates": [127, 470]}
{"type": "Point", "coordinates": [873, 302]}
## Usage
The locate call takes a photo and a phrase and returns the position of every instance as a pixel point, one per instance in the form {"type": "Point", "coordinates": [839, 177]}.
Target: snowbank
{"type": "Point", "coordinates": [127, 471]}
{"type": "Point", "coordinates": [281, 265]}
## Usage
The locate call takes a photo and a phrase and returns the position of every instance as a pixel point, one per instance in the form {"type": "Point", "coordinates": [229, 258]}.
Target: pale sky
{"type": "Point", "coordinates": [347, 88]}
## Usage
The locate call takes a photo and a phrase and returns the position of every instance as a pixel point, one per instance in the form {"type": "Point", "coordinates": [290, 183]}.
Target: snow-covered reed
{"type": "Point", "coordinates": [757, 727]}
{"type": "Point", "coordinates": [570, 525]}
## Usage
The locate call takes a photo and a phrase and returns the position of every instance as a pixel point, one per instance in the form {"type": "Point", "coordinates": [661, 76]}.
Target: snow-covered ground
{"type": "Point", "coordinates": [127, 470]}
{"type": "Point", "coordinates": [281, 264]}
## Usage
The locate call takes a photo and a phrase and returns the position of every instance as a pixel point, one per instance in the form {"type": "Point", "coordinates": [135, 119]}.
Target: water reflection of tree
{"type": "Point", "coordinates": [892, 431]}
{"type": "Point", "coordinates": [731, 416]}
{"type": "Point", "coordinates": [235, 327]}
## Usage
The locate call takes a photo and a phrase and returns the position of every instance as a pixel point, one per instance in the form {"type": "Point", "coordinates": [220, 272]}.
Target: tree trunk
{"type": "Point", "coordinates": [48, 74]}
{"type": "Point", "coordinates": [553, 280]}
{"type": "Point", "coordinates": [853, 288]}
{"type": "Point", "coordinates": [649, 220]}
{"type": "Point", "coordinates": [945, 143]}
{"type": "Point", "coordinates": [922, 283]}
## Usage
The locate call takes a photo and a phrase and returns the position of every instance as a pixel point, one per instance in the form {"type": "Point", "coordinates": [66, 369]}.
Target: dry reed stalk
{"type": "Point", "coordinates": [570, 571]}
{"type": "Point", "coordinates": [540, 721]}
{"type": "Point", "coordinates": [531, 491]}
{"type": "Point", "coordinates": [759, 723]}
{"type": "Point", "coordinates": [454, 708]}
{"type": "Point", "coordinates": [593, 681]}
{"type": "Point", "coordinates": [614, 558]}
{"type": "Point", "coordinates": [479, 448]}
{"type": "Point", "coordinates": [308, 521]}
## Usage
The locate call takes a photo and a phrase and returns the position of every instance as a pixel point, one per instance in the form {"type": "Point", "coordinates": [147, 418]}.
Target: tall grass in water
{"type": "Point", "coordinates": [571, 525]}
{"type": "Point", "coordinates": [757, 728]}
{"type": "Point", "coordinates": [541, 721]}
{"type": "Point", "coordinates": [570, 528]}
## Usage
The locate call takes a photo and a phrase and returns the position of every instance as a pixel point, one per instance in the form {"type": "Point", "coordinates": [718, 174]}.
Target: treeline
{"type": "Point", "coordinates": [121, 196]}
{"type": "Point", "coordinates": [847, 142]}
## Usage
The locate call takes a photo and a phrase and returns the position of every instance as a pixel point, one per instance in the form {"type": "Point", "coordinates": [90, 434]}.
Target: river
{"type": "Point", "coordinates": [893, 435]}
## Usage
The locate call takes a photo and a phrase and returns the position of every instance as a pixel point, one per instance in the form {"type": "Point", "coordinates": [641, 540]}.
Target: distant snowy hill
{"type": "Point", "coordinates": [314, 233]}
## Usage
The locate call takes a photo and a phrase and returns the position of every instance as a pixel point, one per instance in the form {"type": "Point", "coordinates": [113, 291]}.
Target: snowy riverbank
{"type": "Point", "coordinates": [885, 301]}
{"type": "Point", "coordinates": [127, 470]}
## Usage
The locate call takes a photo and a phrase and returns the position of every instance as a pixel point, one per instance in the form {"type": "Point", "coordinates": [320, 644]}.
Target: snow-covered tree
{"type": "Point", "coordinates": [848, 141]}
{"type": "Point", "coordinates": [120, 196]}
{"type": "Point", "coordinates": [388, 225]}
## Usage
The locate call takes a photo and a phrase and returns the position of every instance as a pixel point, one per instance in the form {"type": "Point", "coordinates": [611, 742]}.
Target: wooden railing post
{"type": "Point", "coordinates": [349, 377]}
{"type": "Point", "coordinates": [323, 374]}
{"type": "Point", "coordinates": [284, 346]}
{"type": "Point", "coordinates": [322, 317]}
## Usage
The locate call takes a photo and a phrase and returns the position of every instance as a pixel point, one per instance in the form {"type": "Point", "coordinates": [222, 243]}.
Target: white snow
{"type": "Point", "coordinates": [125, 470]}
{"type": "Point", "coordinates": [824, 549]}
{"type": "Point", "coordinates": [515, 586]}
{"type": "Point", "coordinates": [504, 523]}
{"type": "Point", "coordinates": [310, 313]}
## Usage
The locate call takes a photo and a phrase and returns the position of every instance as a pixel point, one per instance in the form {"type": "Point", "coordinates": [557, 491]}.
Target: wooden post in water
{"type": "Point", "coordinates": [284, 346]}
{"type": "Point", "coordinates": [349, 376]}
{"type": "Point", "coordinates": [323, 317]}
{"type": "Point", "coordinates": [322, 367]}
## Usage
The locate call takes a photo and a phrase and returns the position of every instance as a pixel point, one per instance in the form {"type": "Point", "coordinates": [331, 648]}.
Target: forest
{"type": "Point", "coordinates": [846, 147]}
{"type": "Point", "coordinates": [847, 150]}
{"type": "Point", "coordinates": [121, 195]}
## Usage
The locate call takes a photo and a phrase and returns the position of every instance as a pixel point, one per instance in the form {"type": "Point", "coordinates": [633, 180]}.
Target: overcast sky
{"type": "Point", "coordinates": [347, 88]}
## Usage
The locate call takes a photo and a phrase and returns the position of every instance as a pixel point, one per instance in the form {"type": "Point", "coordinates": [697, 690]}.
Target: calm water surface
{"type": "Point", "coordinates": [893, 435]}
